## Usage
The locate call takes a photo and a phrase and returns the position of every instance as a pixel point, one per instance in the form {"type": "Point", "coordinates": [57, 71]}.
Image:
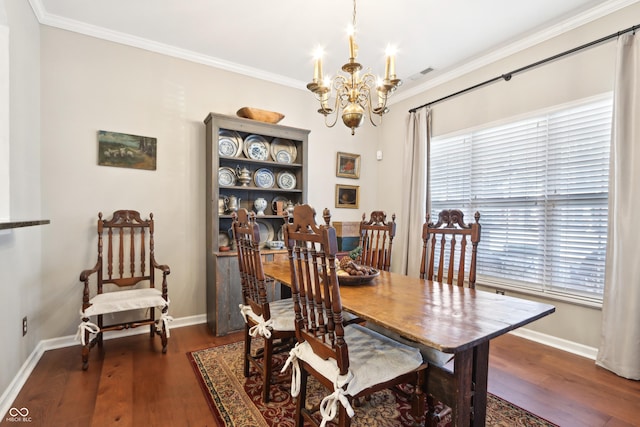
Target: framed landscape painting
{"type": "Point", "coordinates": [126, 151]}
{"type": "Point", "coordinates": [348, 165]}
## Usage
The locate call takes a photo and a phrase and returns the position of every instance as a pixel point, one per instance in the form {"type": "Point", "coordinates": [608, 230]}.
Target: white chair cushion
{"type": "Point", "coordinates": [373, 359]}
{"type": "Point", "coordinates": [430, 355]}
{"type": "Point", "coordinates": [130, 299]}
{"type": "Point", "coordinates": [282, 315]}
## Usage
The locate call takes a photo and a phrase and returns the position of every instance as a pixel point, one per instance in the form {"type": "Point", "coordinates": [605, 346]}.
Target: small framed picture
{"type": "Point", "coordinates": [347, 196]}
{"type": "Point", "coordinates": [348, 165]}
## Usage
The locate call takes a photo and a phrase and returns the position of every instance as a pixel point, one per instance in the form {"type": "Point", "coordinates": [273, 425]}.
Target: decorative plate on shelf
{"type": "Point", "coordinates": [266, 232]}
{"type": "Point", "coordinates": [223, 240]}
{"type": "Point", "coordinates": [256, 147]}
{"type": "Point", "coordinates": [283, 156]}
{"type": "Point", "coordinates": [229, 143]}
{"type": "Point", "coordinates": [286, 180]}
{"type": "Point", "coordinates": [226, 176]}
{"type": "Point", "coordinates": [283, 150]}
{"type": "Point", "coordinates": [263, 178]}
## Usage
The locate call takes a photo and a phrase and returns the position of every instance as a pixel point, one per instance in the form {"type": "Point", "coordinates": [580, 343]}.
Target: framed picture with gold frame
{"type": "Point", "coordinates": [347, 196]}
{"type": "Point", "coordinates": [348, 165]}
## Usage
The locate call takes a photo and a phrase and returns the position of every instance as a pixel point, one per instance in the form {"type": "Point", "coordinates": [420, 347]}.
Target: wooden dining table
{"type": "Point", "coordinates": [452, 319]}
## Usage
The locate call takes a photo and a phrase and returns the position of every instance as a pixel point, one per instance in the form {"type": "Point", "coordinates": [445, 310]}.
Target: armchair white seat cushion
{"type": "Point", "coordinates": [132, 299]}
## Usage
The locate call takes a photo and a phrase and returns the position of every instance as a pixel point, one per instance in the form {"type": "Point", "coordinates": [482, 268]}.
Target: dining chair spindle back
{"type": "Point", "coordinates": [349, 360]}
{"type": "Point", "coordinates": [124, 280]}
{"type": "Point", "coordinates": [376, 240]}
{"type": "Point", "coordinates": [445, 244]}
{"type": "Point", "coordinates": [273, 321]}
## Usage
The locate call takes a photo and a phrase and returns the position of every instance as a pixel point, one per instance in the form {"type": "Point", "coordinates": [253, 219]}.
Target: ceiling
{"type": "Point", "coordinates": [275, 40]}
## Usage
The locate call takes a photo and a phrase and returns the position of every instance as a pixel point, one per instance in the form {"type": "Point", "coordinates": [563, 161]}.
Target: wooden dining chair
{"type": "Point", "coordinates": [123, 280]}
{"type": "Point", "coordinates": [376, 240]}
{"type": "Point", "coordinates": [446, 244]}
{"type": "Point", "coordinates": [273, 321]}
{"type": "Point", "coordinates": [350, 361]}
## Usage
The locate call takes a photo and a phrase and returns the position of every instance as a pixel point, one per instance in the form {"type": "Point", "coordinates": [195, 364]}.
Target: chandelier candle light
{"type": "Point", "coordinates": [353, 92]}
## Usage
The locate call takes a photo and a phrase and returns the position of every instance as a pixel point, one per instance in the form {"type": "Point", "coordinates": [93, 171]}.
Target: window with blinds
{"type": "Point", "coordinates": [541, 187]}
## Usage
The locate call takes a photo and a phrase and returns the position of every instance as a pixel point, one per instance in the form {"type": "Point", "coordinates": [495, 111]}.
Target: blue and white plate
{"type": "Point", "coordinates": [229, 143]}
{"type": "Point", "coordinates": [283, 150]}
{"type": "Point", "coordinates": [256, 147]}
{"type": "Point", "coordinates": [263, 178]}
{"type": "Point", "coordinates": [286, 180]}
{"type": "Point", "coordinates": [283, 156]}
{"type": "Point", "coordinates": [226, 177]}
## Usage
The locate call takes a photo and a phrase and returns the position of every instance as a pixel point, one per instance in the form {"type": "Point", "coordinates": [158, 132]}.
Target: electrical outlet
{"type": "Point", "coordinates": [24, 326]}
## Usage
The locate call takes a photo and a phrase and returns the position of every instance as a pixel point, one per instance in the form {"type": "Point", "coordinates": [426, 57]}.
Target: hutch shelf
{"type": "Point", "coordinates": [246, 160]}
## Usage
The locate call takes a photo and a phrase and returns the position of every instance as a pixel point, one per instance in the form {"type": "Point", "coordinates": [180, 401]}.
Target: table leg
{"type": "Point", "coordinates": [462, 377]}
{"type": "Point", "coordinates": [471, 368]}
{"type": "Point", "coordinates": [480, 375]}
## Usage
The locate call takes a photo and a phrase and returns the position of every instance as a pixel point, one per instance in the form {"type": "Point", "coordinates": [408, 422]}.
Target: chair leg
{"type": "Point", "coordinates": [163, 338]}
{"type": "Point", "coordinates": [152, 327]}
{"type": "Point", "coordinates": [432, 417]}
{"type": "Point", "coordinates": [99, 336]}
{"type": "Point", "coordinates": [302, 398]}
{"type": "Point", "coordinates": [85, 353]}
{"type": "Point", "coordinates": [418, 399]}
{"type": "Point", "coordinates": [267, 366]}
{"type": "Point", "coordinates": [247, 350]}
{"type": "Point", "coordinates": [344, 420]}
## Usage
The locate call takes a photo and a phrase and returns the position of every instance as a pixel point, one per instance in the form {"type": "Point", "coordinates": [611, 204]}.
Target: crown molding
{"type": "Point", "coordinates": [590, 15]}
{"type": "Point", "coordinates": [57, 21]}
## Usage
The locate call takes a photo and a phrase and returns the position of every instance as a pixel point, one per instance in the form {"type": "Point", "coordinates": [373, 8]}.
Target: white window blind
{"type": "Point", "coordinates": [541, 187]}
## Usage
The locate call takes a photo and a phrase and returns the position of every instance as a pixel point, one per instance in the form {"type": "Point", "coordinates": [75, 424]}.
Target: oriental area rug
{"type": "Point", "coordinates": [237, 401]}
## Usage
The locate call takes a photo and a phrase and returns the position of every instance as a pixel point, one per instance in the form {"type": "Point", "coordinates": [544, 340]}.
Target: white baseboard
{"type": "Point", "coordinates": [10, 394]}
{"type": "Point", "coordinates": [559, 343]}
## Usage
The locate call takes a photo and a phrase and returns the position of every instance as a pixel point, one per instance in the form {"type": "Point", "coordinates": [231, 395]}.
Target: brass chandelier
{"type": "Point", "coordinates": [353, 93]}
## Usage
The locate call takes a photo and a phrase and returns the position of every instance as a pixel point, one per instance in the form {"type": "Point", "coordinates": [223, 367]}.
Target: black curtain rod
{"type": "Point", "coordinates": [508, 76]}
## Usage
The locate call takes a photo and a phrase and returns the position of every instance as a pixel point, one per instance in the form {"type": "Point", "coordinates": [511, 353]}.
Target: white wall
{"type": "Point", "coordinates": [90, 84]}
{"type": "Point", "coordinates": [20, 249]}
{"type": "Point", "coordinates": [584, 74]}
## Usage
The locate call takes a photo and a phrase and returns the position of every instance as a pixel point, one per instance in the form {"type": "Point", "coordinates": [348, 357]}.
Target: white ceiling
{"type": "Point", "coordinates": [275, 40]}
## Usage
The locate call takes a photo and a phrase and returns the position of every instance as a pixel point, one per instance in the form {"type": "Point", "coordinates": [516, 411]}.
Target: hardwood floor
{"type": "Point", "coordinates": [130, 383]}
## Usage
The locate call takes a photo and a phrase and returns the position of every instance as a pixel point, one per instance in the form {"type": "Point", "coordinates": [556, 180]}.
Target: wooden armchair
{"type": "Point", "coordinates": [445, 246]}
{"type": "Point", "coordinates": [273, 321]}
{"type": "Point", "coordinates": [376, 240]}
{"type": "Point", "coordinates": [340, 357]}
{"type": "Point", "coordinates": [124, 281]}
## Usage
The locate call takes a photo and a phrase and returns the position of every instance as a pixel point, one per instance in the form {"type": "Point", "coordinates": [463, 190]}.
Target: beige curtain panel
{"type": "Point", "coordinates": [620, 343]}
{"type": "Point", "coordinates": [415, 195]}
